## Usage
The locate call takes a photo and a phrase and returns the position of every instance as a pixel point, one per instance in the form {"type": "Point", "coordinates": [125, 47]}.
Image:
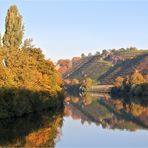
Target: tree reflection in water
{"type": "Point", "coordinates": [44, 129]}
{"type": "Point", "coordinates": [34, 130]}
{"type": "Point", "coordinates": [113, 113]}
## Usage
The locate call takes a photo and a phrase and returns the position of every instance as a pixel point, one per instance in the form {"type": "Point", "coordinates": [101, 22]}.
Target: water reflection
{"type": "Point", "coordinates": [35, 130]}
{"type": "Point", "coordinates": [55, 128]}
{"type": "Point", "coordinates": [114, 113]}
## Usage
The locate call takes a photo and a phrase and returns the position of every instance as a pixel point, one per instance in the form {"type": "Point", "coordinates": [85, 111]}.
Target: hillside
{"type": "Point", "coordinates": [93, 68]}
{"type": "Point", "coordinates": [125, 68]}
{"type": "Point", "coordinates": [83, 62]}
{"type": "Point", "coordinates": [105, 67]}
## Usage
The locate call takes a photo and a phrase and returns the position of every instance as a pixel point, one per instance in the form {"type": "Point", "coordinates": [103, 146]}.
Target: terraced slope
{"type": "Point", "coordinates": [93, 68]}
{"type": "Point", "coordinates": [125, 68]}
{"type": "Point", "coordinates": [76, 67]}
{"type": "Point", "coordinates": [105, 68]}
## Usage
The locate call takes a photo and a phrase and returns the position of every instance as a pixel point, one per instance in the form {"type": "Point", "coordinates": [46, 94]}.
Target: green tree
{"type": "Point", "coordinates": [105, 52]}
{"type": "Point", "coordinates": [28, 43]}
{"type": "Point", "coordinates": [97, 53]}
{"type": "Point", "coordinates": [121, 49]}
{"type": "Point", "coordinates": [82, 55]}
{"type": "Point", "coordinates": [132, 48]}
{"type": "Point", "coordinates": [14, 29]}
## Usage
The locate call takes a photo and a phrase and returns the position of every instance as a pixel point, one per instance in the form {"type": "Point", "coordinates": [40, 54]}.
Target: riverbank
{"type": "Point", "coordinates": [28, 81]}
{"type": "Point", "coordinates": [18, 102]}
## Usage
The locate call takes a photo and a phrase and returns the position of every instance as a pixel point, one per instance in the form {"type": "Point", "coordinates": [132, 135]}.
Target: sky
{"type": "Point", "coordinates": [64, 29]}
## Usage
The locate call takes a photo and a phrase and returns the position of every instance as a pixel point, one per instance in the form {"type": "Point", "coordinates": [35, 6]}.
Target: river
{"type": "Point", "coordinates": [94, 120]}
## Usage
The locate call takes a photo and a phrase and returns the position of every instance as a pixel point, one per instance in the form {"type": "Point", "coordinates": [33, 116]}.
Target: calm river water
{"type": "Point", "coordinates": [94, 120]}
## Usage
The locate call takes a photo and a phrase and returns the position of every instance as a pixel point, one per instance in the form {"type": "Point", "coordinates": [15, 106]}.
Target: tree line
{"type": "Point", "coordinates": [136, 84]}
{"type": "Point", "coordinates": [28, 82]}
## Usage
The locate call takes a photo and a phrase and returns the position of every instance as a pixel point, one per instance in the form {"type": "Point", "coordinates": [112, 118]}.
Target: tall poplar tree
{"type": "Point", "coordinates": [14, 29]}
{"type": "Point", "coordinates": [28, 43]}
{"type": "Point", "coordinates": [0, 40]}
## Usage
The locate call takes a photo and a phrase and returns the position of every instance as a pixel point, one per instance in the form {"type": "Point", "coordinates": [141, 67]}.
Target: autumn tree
{"type": "Point", "coordinates": [0, 40]}
{"type": "Point", "coordinates": [75, 81]}
{"type": "Point", "coordinates": [88, 82]}
{"type": "Point", "coordinates": [64, 65]}
{"type": "Point", "coordinates": [118, 81]}
{"type": "Point", "coordinates": [28, 81]}
{"type": "Point", "coordinates": [14, 29]}
{"type": "Point", "coordinates": [35, 53]}
{"type": "Point", "coordinates": [136, 78]}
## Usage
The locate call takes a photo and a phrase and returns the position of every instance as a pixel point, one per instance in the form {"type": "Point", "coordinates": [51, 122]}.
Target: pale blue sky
{"type": "Point", "coordinates": [63, 29]}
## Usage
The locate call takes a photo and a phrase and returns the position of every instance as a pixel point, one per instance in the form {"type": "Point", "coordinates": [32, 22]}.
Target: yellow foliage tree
{"type": "Point", "coordinates": [118, 81]}
{"type": "Point", "coordinates": [136, 78]}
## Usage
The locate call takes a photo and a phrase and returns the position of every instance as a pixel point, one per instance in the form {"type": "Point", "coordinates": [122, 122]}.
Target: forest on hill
{"type": "Point", "coordinates": [105, 67]}
{"type": "Point", "coordinates": [126, 69]}
{"type": "Point", "coordinates": [28, 82]}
